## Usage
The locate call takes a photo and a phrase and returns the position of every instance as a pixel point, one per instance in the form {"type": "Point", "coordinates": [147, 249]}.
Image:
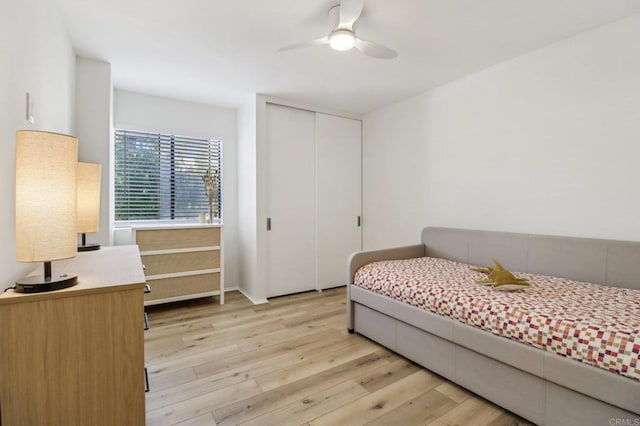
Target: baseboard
{"type": "Point", "coordinates": [254, 301]}
{"type": "Point", "coordinates": [228, 289]}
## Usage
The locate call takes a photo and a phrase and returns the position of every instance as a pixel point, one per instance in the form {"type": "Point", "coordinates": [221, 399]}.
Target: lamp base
{"type": "Point", "coordinates": [38, 283]}
{"type": "Point", "coordinates": [89, 247]}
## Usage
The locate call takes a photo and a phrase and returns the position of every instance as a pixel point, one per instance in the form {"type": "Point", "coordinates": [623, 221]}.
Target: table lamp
{"type": "Point", "coordinates": [46, 200]}
{"type": "Point", "coordinates": [88, 203]}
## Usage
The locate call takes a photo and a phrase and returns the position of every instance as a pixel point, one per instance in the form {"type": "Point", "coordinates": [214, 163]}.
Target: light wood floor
{"type": "Point", "coordinates": [290, 362]}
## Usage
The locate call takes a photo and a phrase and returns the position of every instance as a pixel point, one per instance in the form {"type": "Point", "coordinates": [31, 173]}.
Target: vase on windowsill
{"type": "Point", "coordinates": [211, 179]}
{"type": "Point", "coordinates": [210, 216]}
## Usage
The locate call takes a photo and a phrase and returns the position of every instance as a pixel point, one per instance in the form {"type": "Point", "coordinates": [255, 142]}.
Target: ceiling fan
{"type": "Point", "coordinates": [342, 34]}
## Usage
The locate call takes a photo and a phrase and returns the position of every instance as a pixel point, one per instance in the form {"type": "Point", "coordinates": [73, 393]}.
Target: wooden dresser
{"type": "Point", "coordinates": [181, 261]}
{"type": "Point", "coordinates": [76, 356]}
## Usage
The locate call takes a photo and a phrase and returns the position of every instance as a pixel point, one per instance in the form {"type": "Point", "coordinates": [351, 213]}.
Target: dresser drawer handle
{"type": "Point", "coordinates": [146, 380]}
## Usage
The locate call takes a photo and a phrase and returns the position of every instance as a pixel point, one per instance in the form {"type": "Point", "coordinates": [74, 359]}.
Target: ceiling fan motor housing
{"type": "Point", "coordinates": [342, 39]}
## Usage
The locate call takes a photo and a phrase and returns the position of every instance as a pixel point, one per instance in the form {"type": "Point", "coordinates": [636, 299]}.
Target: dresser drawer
{"type": "Point", "coordinates": [182, 287]}
{"type": "Point", "coordinates": [156, 264]}
{"type": "Point", "coordinates": [171, 239]}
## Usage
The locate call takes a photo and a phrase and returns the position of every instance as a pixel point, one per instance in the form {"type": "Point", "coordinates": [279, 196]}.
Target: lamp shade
{"type": "Point", "coordinates": [88, 197]}
{"type": "Point", "coordinates": [46, 197]}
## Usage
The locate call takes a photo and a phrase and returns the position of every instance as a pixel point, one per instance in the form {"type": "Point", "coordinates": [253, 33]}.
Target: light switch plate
{"type": "Point", "coordinates": [30, 118]}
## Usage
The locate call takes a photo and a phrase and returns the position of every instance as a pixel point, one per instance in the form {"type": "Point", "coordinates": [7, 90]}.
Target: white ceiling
{"type": "Point", "coordinates": [221, 51]}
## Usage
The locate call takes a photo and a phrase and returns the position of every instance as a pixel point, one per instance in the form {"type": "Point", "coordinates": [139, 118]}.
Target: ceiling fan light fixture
{"type": "Point", "coordinates": [342, 40]}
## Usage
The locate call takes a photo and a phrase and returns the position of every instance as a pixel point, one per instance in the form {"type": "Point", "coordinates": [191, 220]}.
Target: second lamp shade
{"type": "Point", "coordinates": [88, 197]}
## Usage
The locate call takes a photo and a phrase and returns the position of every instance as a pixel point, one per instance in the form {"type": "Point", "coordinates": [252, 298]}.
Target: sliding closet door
{"type": "Point", "coordinates": [338, 196]}
{"type": "Point", "coordinates": [290, 200]}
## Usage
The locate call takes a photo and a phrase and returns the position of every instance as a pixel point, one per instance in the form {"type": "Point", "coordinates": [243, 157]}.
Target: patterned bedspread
{"type": "Point", "coordinates": [590, 323]}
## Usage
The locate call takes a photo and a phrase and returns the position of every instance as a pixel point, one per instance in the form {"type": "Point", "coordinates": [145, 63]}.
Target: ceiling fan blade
{"type": "Point", "coordinates": [375, 50]}
{"type": "Point", "coordinates": [350, 11]}
{"type": "Point", "coordinates": [317, 42]}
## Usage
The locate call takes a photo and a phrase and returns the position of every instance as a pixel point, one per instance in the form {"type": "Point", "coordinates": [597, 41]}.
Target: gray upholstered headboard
{"type": "Point", "coordinates": [611, 262]}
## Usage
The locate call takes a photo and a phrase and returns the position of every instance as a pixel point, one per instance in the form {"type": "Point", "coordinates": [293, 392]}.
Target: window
{"type": "Point", "coordinates": [160, 177]}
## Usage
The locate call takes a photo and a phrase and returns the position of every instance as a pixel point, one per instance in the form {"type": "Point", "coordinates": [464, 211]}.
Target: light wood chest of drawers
{"type": "Point", "coordinates": [181, 262]}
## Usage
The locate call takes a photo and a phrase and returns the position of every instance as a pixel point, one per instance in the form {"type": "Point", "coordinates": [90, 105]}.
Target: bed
{"type": "Point", "coordinates": [574, 372]}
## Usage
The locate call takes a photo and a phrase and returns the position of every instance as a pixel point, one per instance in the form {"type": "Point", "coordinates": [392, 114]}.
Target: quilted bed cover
{"type": "Point", "coordinates": [590, 323]}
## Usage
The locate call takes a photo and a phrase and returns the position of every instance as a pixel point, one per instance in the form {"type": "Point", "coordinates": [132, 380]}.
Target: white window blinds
{"type": "Point", "coordinates": [160, 177]}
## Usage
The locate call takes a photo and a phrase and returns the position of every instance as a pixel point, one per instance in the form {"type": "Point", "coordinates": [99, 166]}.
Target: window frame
{"type": "Point", "coordinates": [214, 160]}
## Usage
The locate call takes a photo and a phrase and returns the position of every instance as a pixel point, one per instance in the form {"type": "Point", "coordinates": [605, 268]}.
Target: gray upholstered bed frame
{"type": "Point", "coordinates": [542, 387]}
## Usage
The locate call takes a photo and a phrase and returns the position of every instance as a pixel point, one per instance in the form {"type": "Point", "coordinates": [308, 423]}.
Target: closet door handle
{"type": "Point", "coordinates": [268, 224]}
{"type": "Point", "coordinates": [359, 221]}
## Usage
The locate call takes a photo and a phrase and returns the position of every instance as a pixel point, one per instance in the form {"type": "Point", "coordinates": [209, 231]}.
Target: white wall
{"type": "Point", "coordinates": [36, 57]}
{"type": "Point", "coordinates": [544, 143]}
{"type": "Point", "coordinates": [94, 106]}
{"type": "Point", "coordinates": [135, 111]}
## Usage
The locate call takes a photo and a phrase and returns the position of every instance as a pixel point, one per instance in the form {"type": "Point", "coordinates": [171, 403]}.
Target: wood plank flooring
{"type": "Point", "coordinates": [290, 362]}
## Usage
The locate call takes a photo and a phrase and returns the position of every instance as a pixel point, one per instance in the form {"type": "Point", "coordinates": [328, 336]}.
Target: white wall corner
{"type": "Point", "coordinates": [94, 116]}
{"type": "Point", "coordinates": [251, 298]}
{"type": "Point", "coordinates": [247, 209]}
